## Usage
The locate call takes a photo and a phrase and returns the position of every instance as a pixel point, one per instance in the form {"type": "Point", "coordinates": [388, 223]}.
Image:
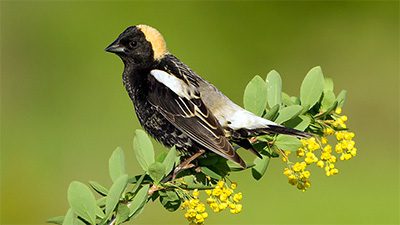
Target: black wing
{"type": "Point", "coordinates": [180, 103]}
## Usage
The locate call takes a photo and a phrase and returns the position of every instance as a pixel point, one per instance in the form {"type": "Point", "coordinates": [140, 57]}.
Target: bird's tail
{"type": "Point", "coordinates": [277, 129]}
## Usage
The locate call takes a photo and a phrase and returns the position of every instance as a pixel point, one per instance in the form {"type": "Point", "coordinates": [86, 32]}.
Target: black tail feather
{"type": "Point", "coordinates": [277, 129]}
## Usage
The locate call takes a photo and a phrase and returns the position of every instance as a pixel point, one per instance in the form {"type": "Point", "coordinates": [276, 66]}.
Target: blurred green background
{"type": "Point", "coordinates": [64, 109]}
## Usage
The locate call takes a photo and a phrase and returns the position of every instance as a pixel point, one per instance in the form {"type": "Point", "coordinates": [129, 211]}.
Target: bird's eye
{"type": "Point", "coordinates": [133, 44]}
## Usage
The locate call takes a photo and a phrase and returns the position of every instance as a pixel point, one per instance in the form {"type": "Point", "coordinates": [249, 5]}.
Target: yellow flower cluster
{"type": "Point", "coordinates": [223, 196]}
{"type": "Point", "coordinates": [297, 173]}
{"type": "Point", "coordinates": [195, 210]}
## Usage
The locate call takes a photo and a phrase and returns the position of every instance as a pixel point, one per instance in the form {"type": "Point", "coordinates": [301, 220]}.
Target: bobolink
{"type": "Point", "coordinates": [178, 107]}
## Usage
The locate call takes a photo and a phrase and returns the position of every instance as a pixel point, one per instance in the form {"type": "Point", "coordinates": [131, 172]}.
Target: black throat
{"type": "Point", "coordinates": [135, 80]}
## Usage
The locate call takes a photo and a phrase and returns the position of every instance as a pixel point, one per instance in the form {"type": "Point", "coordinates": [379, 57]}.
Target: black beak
{"type": "Point", "coordinates": [115, 47]}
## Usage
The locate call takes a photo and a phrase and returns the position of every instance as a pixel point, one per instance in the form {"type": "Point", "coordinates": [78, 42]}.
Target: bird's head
{"type": "Point", "coordinates": [140, 45]}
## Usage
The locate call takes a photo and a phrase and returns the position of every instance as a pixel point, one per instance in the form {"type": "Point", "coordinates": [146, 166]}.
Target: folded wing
{"type": "Point", "coordinates": [180, 103]}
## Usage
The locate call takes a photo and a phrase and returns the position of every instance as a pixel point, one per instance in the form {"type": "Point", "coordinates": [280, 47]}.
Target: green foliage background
{"type": "Point", "coordinates": [64, 110]}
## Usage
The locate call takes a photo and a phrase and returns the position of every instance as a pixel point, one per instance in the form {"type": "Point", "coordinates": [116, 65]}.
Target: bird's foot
{"type": "Point", "coordinates": [187, 164]}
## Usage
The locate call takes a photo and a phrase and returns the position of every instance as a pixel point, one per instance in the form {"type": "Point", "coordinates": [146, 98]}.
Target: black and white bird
{"type": "Point", "coordinates": [178, 107]}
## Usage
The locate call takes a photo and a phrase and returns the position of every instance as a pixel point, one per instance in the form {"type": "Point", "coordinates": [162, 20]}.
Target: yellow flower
{"type": "Point", "coordinates": [327, 148]}
{"type": "Point", "coordinates": [320, 164]}
{"type": "Point", "coordinates": [221, 184]}
{"type": "Point", "coordinates": [200, 208]}
{"type": "Point", "coordinates": [223, 205]}
{"type": "Point", "coordinates": [233, 185]}
{"type": "Point", "coordinates": [338, 148]}
{"type": "Point", "coordinates": [216, 191]}
{"type": "Point", "coordinates": [324, 140]}
{"type": "Point", "coordinates": [339, 136]}
{"type": "Point", "coordinates": [299, 166]}
{"type": "Point", "coordinates": [329, 131]}
{"type": "Point", "coordinates": [287, 171]}
{"type": "Point", "coordinates": [338, 110]}
{"type": "Point", "coordinates": [306, 174]}
{"type": "Point", "coordinates": [237, 197]}
{"type": "Point", "coordinates": [223, 197]}
{"type": "Point", "coordinates": [196, 193]}
{"type": "Point", "coordinates": [237, 209]}
{"type": "Point", "coordinates": [300, 152]}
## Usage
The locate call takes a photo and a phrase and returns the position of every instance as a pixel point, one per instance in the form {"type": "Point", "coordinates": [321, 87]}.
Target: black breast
{"type": "Point", "coordinates": [138, 85]}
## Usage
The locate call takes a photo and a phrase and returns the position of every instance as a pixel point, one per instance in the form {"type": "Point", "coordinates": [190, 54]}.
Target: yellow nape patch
{"type": "Point", "coordinates": [156, 39]}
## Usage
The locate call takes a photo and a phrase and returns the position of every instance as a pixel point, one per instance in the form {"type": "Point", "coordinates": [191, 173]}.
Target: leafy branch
{"type": "Point", "coordinates": [317, 111]}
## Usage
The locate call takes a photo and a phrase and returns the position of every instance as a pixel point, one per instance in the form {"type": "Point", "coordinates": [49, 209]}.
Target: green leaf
{"type": "Point", "coordinates": [69, 218]}
{"type": "Point", "coordinates": [272, 113]}
{"type": "Point", "coordinates": [161, 156]}
{"type": "Point", "coordinates": [56, 220]}
{"type": "Point", "coordinates": [115, 194]}
{"type": "Point", "coordinates": [288, 113]}
{"type": "Point", "coordinates": [140, 181]}
{"type": "Point", "coordinates": [138, 201]}
{"type": "Point", "coordinates": [116, 164]}
{"type": "Point", "coordinates": [170, 200]}
{"type": "Point", "coordinates": [299, 123]}
{"type": "Point", "coordinates": [98, 188]}
{"type": "Point", "coordinates": [170, 159]}
{"type": "Point", "coordinates": [286, 99]}
{"type": "Point", "coordinates": [260, 167]}
{"type": "Point", "coordinates": [143, 149]}
{"type": "Point", "coordinates": [122, 213]}
{"type": "Point", "coordinates": [328, 100]}
{"type": "Point", "coordinates": [101, 202]}
{"type": "Point", "coordinates": [208, 172]}
{"type": "Point", "coordinates": [328, 84]}
{"type": "Point", "coordinates": [341, 98]}
{"type": "Point", "coordinates": [156, 171]}
{"type": "Point", "coordinates": [274, 88]}
{"type": "Point", "coordinates": [312, 87]}
{"type": "Point", "coordinates": [255, 96]}
{"type": "Point", "coordinates": [287, 143]}
{"type": "Point", "coordinates": [295, 100]}
{"type": "Point", "coordinates": [82, 201]}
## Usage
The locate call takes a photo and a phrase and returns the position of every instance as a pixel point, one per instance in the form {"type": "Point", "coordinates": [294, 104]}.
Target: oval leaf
{"type": "Point", "coordinates": [260, 167]}
{"type": "Point", "coordinates": [138, 201]}
{"type": "Point", "coordinates": [114, 195]}
{"type": "Point", "coordinates": [56, 220]}
{"type": "Point", "coordinates": [274, 88]}
{"type": "Point", "coordinates": [122, 213]}
{"type": "Point", "coordinates": [341, 98]}
{"type": "Point", "coordinates": [116, 164]}
{"type": "Point", "coordinates": [82, 201]}
{"type": "Point", "coordinates": [255, 96]}
{"type": "Point", "coordinates": [328, 84]}
{"type": "Point", "coordinates": [98, 188]}
{"type": "Point", "coordinates": [69, 218]}
{"type": "Point", "coordinates": [143, 149]}
{"type": "Point", "coordinates": [287, 143]}
{"type": "Point", "coordinates": [299, 123]}
{"type": "Point", "coordinates": [288, 113]}
{"type": "Point", "coordinates": [170, 200]}
{"type": "Point", "coordinates": [312, 87]}
{"type": "Point", "coordinates": [156, 171]}
{"type": "Point", "coordinates": [328, 100]}
{"type": "Point", "coordinates": [286, 99]}
{"type": "Point", "coordinates": [170, 159]}
{"type": "Point", "coordinates": [272, 113]}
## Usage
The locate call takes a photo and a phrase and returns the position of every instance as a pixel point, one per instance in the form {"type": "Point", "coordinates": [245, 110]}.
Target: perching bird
{"type": "Point", "coordinates": [178, 107]}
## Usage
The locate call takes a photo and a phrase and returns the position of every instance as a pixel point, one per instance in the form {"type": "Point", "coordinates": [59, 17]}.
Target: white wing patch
{"type": "Point", "coordinates": [227, 112]}
{"type": "Point", "coordinates": [245, 119]}
{"type": "Point", "coordinates": [175, 84]}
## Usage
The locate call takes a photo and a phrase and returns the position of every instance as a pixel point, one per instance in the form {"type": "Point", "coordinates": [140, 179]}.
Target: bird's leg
{"type": "Point", "coordinates": [187, 164]}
